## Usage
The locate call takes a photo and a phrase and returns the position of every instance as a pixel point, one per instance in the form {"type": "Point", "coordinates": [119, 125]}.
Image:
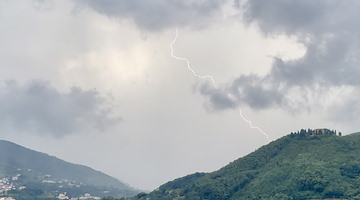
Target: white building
{"type": "Point", "coordinates": [62, 196]}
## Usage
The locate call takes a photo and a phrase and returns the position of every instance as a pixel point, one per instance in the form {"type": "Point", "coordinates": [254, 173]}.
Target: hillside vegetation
{"type": "Point", "coordinates": [309, 164]}
{"type": "Point", "coordinates": [45, 176]}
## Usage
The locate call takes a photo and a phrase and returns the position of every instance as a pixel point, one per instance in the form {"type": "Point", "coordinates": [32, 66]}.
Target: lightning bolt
{"type": "Point", "coordinates": [188, 62]}
{"type": "Point", "coordinates": [254, 127]}
{"type": "Point", "coordinates": [213, 82]}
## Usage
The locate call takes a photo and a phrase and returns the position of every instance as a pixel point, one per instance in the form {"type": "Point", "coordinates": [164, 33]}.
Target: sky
{"type": "Point", "coordinates": [93, 82]}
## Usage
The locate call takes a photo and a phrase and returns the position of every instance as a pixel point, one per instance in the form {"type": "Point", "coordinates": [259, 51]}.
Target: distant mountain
{"type": "Point", "coordinates": [357, 133]}
{"type": "Point", "coordinates": [309, 164]}
{"type": "Point", "coordinates": [33, 170]}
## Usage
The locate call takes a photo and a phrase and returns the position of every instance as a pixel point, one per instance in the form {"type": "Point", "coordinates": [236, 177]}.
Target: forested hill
{"type": "Point", "coordinates": [309, 164]}
{"type": "Point", "coordinates": [44, 173]}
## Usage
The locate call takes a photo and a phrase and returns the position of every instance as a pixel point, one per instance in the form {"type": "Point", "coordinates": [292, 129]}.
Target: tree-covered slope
{"type": "Point", "coordinates": [298, 166]}
{"type": "Point", "coordinates": [46, 171]}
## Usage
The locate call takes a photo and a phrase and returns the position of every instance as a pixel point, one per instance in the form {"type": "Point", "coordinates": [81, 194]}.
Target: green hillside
{"type": "Point", "coordinates": [310, 164]}
{"type": "Point", "coordinates": [50, 176]}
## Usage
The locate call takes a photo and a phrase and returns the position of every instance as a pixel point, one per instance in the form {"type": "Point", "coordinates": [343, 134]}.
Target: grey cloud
{"type": "Point", "coordinates": [302, 17]}
{"type": "Point", "coordinates": [331, 61]}
{"type": "Point", "coordinates": [243, 90]}
{"type": "Point", "coordinates": [249, 89]}
{"type": "Point", "coordinates": [330, 33]}
{"type": "Point", "coordinates": [37, 107]}
{"type": "Point", "coordinates": [281, 15]}
{"type": "Point", "coordinates": [158, 14]}
{"type": "Point", "coordinates": [218, 98]}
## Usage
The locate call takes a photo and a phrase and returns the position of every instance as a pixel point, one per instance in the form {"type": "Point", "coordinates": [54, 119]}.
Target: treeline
{"type": "Point", "coordinates": [315, 132]}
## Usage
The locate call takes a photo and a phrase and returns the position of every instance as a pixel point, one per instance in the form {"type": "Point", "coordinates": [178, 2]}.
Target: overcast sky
{"type": "Point", "coordinates": [93, 81]}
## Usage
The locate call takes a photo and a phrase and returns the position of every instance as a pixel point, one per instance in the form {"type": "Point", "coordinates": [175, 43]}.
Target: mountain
{"type": "Point", "coordinates": [48, 176]}
{"type": "Point", "coordinates": [357, 133]}
{"type": "Point", "coordinates": [309, 164]}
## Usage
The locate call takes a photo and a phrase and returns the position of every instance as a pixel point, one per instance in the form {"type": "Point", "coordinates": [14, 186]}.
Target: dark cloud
{"type": "Point", "coordinates": [37, 107]}
{"type": "Point", "coordinates": [329, 32]}
{"type": "Point", "coordinates": [291, 16]}
{"type": "Point", "coordinates": [243, 90]}
{"type": "Point", "coordinates": [158, 14]}
{"type": "Point", "coordinates": [218, 98]}
{"type": "Point", "coordinates": [303, 17]}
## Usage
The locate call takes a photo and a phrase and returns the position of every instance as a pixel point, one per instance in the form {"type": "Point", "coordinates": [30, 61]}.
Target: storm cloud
{"type": "Point", "coordinates": [37, 107]}
{"type": "Point", "coordinates": [157, 15]}
{"type": "Point", "coordinates": [329, 32]}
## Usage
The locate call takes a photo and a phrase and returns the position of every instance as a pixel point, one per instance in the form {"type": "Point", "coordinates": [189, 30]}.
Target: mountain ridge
{"type": "Point", "coordinates": [308, 164]}
{"type": "Point", "coordinates": [40, 167]}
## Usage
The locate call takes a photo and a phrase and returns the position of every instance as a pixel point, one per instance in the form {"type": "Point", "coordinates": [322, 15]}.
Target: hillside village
{"type": "Point", "coordinates": [6, 184]}
{"type": "Point", "coordinates": [9, 185]}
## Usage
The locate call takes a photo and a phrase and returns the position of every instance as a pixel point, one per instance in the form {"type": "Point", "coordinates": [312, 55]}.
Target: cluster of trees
{"type": "Point", "coordinates": [314, 132]}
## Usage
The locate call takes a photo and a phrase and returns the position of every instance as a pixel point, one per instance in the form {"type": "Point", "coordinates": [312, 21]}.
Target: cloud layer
{"type": "Point", "coordinates": [331, 36]}
{"type": "Point", "coordinates": [157, 15]}
{"type": "Point", "coordinates": [37, 107]}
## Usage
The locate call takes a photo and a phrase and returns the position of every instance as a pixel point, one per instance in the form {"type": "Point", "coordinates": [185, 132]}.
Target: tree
{"type": "Point", "coordinates": [141, 195]}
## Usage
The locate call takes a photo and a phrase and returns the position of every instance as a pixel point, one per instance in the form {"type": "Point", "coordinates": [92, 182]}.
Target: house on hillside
{"type": "Point", "coordinates": [62, 196]}
{"type": "Point", "coordinates": [320, 131]}
{"type": "Point", "coordinates": [324, 131]}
